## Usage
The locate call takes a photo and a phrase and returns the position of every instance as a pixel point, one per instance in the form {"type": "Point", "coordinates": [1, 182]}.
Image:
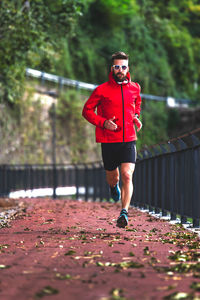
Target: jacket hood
{"type": "Point", "coordinates": [111, 78]}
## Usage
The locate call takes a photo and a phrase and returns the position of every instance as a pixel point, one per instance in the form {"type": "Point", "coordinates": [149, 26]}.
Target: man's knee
{"type": "Point", "coordinates": [127, 176]}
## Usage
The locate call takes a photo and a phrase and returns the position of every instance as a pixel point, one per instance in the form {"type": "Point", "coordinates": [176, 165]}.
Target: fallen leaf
{"type": "Point", "coordinates": [48, 290]}
{"type": "Point", "coordinates": [4, 267]}
{"type": "Point", "coordinates": [146, 251]}
{"type": "Point", "coordinates": [4, 246]}
{"type": "Point", "coordinates": [117, 293]}
{"type": "Point", "coordinates": [55, 254]}
{"type": "Point", "coordinates": [70, 252]}
{"type": "Point", "coordinates": [121, 265]}
{"type": "Point", "coordinates": [63, 277]}
{"type": "Point", "coordinates": [195, 286]}
{"type": "Point", "coordinates": [178, 296]}
{"type": "Point", "coordinates": [131, 229]}
{"type": "Point", "coordinates": [27, 272]}
{"type": "Point", "coordinates": [166, 288]}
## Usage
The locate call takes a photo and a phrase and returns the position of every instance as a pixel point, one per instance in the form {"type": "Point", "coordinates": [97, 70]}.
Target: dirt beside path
{"type": "Point", "coordinates": [62, 249]}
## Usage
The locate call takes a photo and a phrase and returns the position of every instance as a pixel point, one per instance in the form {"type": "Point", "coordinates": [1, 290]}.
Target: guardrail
{"type": "Point", "coordinates": [59, 80]}
{"type": "Point", "coordinates": [167, 178]}
{"type": "Point", "coordinates": [170, 101]}
{"type": "Point", "coordinates": [87, 180]}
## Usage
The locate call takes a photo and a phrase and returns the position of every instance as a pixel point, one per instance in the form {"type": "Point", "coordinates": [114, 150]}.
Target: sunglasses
{"type": "Point", "coordinates": [117, 67]}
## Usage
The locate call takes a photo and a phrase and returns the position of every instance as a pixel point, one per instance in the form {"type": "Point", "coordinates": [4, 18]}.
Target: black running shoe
{"type": "Point", "coordinates": [122, 221]}
{"type": "Point", "coordinates": [115, 192]}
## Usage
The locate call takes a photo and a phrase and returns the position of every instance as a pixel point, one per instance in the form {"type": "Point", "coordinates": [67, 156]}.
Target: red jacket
{"type": "Point", "coordinates": [112, 99]}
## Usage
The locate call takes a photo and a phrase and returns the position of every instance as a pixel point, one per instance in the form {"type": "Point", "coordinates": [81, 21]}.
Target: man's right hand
{"type": "Point", "coordinates": [110, 124]}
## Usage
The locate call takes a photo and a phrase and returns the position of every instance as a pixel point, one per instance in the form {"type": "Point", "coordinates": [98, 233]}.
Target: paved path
{"type": "Point", "coordinates": [62, 249]}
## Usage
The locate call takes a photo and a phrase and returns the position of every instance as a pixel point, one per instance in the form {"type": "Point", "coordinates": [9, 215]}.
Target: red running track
{"type": "Point", "coordinates": [66, 249]}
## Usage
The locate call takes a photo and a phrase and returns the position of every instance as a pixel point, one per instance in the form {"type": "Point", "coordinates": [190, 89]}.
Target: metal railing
{"type": "Point", "coordinates": [61, 81]}
{"type": "Point", "coordinates": [88, 180]}
{"type": "Point", "coordinates": [167, 178]}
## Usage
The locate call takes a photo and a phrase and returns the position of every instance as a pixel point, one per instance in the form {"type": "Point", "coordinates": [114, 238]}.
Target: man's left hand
{"type": "Point", "coordinates": [138, 123]}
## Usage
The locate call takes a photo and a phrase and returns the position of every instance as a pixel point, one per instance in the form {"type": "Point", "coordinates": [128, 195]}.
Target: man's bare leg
{"type": "Point", "coordinates": [112, 177]}
{"type": "Point", "coordinates": [127, 170]}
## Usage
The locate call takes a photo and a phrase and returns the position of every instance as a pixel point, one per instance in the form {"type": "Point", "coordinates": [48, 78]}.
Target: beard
{"type": "Point", "coordinates": [119, 77]}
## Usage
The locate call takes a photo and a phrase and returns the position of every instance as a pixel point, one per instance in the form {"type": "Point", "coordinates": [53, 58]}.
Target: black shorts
{"type": "Point", "coordinates": [114, 154]}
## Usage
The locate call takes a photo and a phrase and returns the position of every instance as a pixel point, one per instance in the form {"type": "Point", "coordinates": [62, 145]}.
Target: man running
{"type": "Point", "coordinates": [118, 105]}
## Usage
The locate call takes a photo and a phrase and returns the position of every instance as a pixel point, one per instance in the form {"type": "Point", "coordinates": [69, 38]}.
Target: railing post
{"type": "Point", "coordinates": [101, 181]}
{"type": "Point", "coordinates": [162, 182]}
{"type": "Point", "coordinates": [164, 186]}
{"type": "Point", "coordinates": [3, 180]}
{"type": "Point", "coordinates": [86, 170]}
{"type": "Point", "coordinates": [60, 83]}
{"type": "Point", "coordinates": [42, 78]}
{"type": "Point", "coordinates": [144, 169]}
{"type": "Point", "coordinates": [171, 193]}
{"type": "Point", "coordinates": [135, 179]}
{"type": "Point", "coordinates": [148, 181]}
{"type": "Point", "coordinates": [54, 150]}
{"type": "Point", "coordinates": [196, 188]}
{"type": "Point", "coordinates": [94, 181]}
{"type": "Point", "coordinates": [142, 200]}
{"type": "Point", "coordinates": [182, 182]}
{"type": "Point", "coordinates": [77, 181]}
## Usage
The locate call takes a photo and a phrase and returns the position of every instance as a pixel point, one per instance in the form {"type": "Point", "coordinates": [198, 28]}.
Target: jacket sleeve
{"type": "Point", "coordinates": [138, 102]}
{"type": "Point", "coordinates": [90, 107]}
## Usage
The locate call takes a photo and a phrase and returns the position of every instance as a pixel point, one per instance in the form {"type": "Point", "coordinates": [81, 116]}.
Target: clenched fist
{"type": "Point", "coordinates": [138, 123]}
{"type": "Point", "coordinates": [110, 124]}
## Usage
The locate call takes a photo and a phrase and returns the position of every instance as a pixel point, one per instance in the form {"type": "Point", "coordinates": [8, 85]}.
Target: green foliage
{"type": "Point", "coordinates": [25, 26]}
{"type": "Point", "coordinates": [162, 39]}
{"type": "Point", "coordinates": [111, 14]}
{"type": "Point", "coordinates": [64, 61]}
{"type": "Point", "coordinates": [163, 50]}
{"type": "Point", "coordinates": [26, 132]}
{"type": "Point", "coordinates": [71, 125]}
{"type": "Point", "coordinates": [162, 44]}
{"type": "Point", "coordinates": [31, 124]}
{"type": "Point", "coordinates": [75, 39]}
{"type": "Point", "coordinates": [155, 122]}
{"type": "Point", "coordinates": [173, 119]}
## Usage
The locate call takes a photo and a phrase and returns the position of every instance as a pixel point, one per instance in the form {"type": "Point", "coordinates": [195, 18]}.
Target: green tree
{"type": "Point", "coordinates": [29, 25]}
{"type": "Point", "coordinates": [72, 127]}
{"type": "Point", "coordinates": [162, 39]}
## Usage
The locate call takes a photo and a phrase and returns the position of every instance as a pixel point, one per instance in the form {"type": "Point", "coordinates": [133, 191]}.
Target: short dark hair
{"type": "Point", "coordinates": [119, 55]}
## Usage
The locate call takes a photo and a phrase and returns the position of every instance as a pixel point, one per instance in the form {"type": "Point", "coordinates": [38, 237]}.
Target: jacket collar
{"type": "Point", "coordinates": [111, 79]}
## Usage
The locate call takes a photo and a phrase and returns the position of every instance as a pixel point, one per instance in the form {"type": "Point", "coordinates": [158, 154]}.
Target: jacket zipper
{"type": "Point", "coordinates": [123, 109]}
